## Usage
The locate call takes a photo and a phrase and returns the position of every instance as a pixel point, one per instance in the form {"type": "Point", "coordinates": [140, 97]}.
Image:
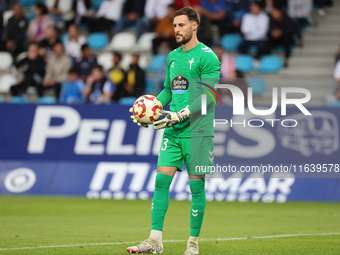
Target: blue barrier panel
{"type": "Point", "coordinates": [25, 177]}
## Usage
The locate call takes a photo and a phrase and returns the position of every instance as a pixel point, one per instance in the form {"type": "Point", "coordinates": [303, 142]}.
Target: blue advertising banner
{"type": "Point", "coordinates": [96, 151]}
{"type": "Point", "coordinates": [131, 180]}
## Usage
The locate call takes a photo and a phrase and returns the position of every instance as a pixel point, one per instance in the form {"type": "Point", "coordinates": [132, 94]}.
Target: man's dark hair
{"type": "Point", "coordinates": [73, 70]}
{"type": "Point", "coordinates": [84, 47]}
{"type": "Point", "coordinates": [118, 54]}
{"type": "Point", "coordinates": [260, 3]}
{"type": "Point", "coordinates": [190, 13]}
{"type": "Point", "coordinates": [99, 67]}
{"type": "Point", "coordinates": [43, 8]}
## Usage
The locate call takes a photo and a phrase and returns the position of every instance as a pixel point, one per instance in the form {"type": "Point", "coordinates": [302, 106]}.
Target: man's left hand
{"type": "Point", "coordinates": [172, 118]}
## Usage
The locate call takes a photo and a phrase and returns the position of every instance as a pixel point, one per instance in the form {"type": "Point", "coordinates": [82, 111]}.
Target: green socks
{"type": "Point", "coordinates": [160, 201]}
{"type": "Point", "coordinates": [198, 202]}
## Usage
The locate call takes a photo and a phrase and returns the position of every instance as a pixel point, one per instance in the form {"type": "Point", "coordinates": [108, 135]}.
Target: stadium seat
{"type": "Point", "coordinates": [270, 64]}
{"type": "Point", "coordinates": [6, 61]}
{"type": "Point", "coordinates": [333, 104]}
{"type": "Point", "coordinates": [27, 3]}
{"type": "Point", "coordinates": [96, 3]}
{"type": "Point", "coordinates": [127, 100]}
{"type": "Point", "coordinates": [97, 41]}
{"type": "Point", "coordinates": [156, 62]}
{"type": "Point", "coordinates": [6, 16]}
{"type": "Point", "coordinates": [258, 84]}
{"type": "Point", "coordinates": [230, 42]}
{"type": "Point", "coordinates": [244, 63]}
{"type": "Point", "coordinates": [124, 41]}
{"type": "Point", "coordinates": [105, 60]}
{"type": "Point", "coordinates": [19, 100]}
{"type": "Point", "coordinates": [6, 81]}
{"type": "Point", "coordinates": [150, 85]}
{"type": "Point", "coordinates": [145, 42]}
{"type": "Point", "coordinates": [47, 100]}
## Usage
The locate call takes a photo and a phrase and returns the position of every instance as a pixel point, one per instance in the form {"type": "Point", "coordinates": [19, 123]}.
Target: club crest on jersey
{"type": "Point", "coordinates": [179, 84]}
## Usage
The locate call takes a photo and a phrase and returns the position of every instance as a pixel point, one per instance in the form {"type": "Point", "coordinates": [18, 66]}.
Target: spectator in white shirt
{"type": "Point", "coordinates": [108, 14]}
{"type": "Point", "coordinates": [254, 28]}
{"type": "Point", "coordinates": [74, 42]}
{"type": "Point", "coordinates": [60, 10]}
{"type": "Point", "coordinates": [83, 11]}
{"type": "Point", "coordinates": [155, 10]}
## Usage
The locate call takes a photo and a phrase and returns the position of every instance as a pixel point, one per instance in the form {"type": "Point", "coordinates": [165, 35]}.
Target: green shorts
{"type": "Point", "coordinates": [196, 152]}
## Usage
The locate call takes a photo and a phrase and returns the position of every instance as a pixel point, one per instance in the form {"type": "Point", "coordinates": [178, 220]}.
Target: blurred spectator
{"type": "Point", "coordinates": [254, 28]}
{"type": "Point", "coordinates": [154, 11]}
{"type": "Point", "coordinates": [33, 68]}
{"type": "Point", "coordinates": [215, 12]}
{"type": "Point", "coordinates": [300, 11]}
{"type": "Point", "coordinates": [60, 10]}
{"type": "Point", "coordinates": [179, 4]}
{"type": "Point", "coordinates": [98, 88]}
{"type": "Point", "coordinates": [16, 31]}
{"type": "Point", "coordinates": [165, 33]}
{"type": "Point", "coordinates": [228, 66]}
{"type": "Point", "coordinates": [117, 76]}
{"type": "Point", "coordinates": [38, 25]}
{"type": "Point", "coordinates": [57, 69]}
{"type": "Point", "coordinates": [85, 62]}
{"type": "Point", "coordinates": [108, 14]}
{"type": "Point", "coordinates": [282, 31]}
{"type": "Point", "coordinates": [135, 79]}
{"type": "Point", "coordinates": [72, 91]}
{"type": "Point", "coordinates": [337, 56]}
{"type": "Point", "coordinates": [83, 11]}
{"type": "Point", "coordinates": [133, 12]}
{"type": "Point", "coordinates": [46, 45]}
{"type": "Point", "coordinates": [235, 12]}
{"type": "Point", "coordinates": [337, 78]}
{"type": "Point", "coordinates": [74, 42]}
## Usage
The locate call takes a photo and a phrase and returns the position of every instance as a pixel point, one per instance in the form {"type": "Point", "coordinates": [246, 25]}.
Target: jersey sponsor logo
{"type": "Point", "coordinates": [173, 64]}
{"type": "Point", "coordinates": [179, 84]}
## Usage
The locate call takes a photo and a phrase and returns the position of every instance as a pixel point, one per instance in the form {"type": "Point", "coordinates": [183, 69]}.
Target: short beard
{"type": "Point", "coordinates": [185, 39]}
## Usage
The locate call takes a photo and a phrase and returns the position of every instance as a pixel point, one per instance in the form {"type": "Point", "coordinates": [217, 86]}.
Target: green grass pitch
{"type": "Point", "coordinates": [71, 225]}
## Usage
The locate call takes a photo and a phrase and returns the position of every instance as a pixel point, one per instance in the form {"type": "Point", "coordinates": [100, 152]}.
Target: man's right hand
{"type": "Point", "coordinates": [133, 117]}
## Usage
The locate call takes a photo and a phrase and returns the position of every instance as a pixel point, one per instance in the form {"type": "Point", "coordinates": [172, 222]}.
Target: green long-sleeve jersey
{"type": "Point", "coordinates": [185, 69]}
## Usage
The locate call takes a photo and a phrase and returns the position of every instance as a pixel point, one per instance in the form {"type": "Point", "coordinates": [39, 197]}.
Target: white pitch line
{"type": "Point", "coordinates": [169, 241]}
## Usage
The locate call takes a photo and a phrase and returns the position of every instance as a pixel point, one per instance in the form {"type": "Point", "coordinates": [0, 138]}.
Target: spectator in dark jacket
{"type": "Point", "coordinates": [117, 76]}
{"type": "Point", "coordinates": [135, 79]}
{"type": "Point", "coordinates": [33, 68]}
{"type": "Point", "coordinates": [133, 12]}
{"type": "Point", "coordinates": [47, 44]}
{"type": "Point", "coordinates": [16, 31]}
{"type": "Point", "coordinates": [282, 30]}
{"type": "Point", "coordinates": [85, 62]}
{"type": "Point", "coordinates": [98, 88]}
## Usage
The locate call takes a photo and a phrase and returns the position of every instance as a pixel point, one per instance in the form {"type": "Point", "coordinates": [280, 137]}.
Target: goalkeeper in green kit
{"type": "Point", "coordinates": [192, 70]}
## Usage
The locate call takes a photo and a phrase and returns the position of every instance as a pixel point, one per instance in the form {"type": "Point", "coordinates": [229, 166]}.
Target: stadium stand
{"type": "Point", "coordinates": [308, 62]}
